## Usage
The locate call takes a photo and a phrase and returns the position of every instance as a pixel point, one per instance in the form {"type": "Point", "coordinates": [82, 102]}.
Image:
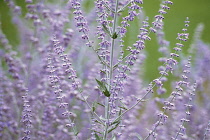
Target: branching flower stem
{"type": "Point", "coordinates": [107, 107]}
{"type": "Point", "coordinates": [123, 8]}
{"type": "Point", "coordinates": [144, 96]}
{"type": "Point", "coordinates": [160, 119]}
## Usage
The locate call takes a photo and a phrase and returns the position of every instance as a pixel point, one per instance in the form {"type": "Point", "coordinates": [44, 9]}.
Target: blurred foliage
{"type": "Point", "coordinates": [8, 28]}
{"type": "Point", "coordinates": [197, 11]}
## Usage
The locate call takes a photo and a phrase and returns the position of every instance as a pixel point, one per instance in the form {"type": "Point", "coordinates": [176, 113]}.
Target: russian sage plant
{"type": "Point", "coordinates": [72, 76]}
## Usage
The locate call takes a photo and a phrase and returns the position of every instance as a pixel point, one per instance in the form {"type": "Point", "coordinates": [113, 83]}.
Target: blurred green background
{"type": "Point", "coordinates": [198, 11]}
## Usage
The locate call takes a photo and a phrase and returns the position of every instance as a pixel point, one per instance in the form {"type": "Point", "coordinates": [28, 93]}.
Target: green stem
{"type": "Point", "coordinates": [124, 7]}
{"type": "Point", "coordinates": [107, 107]}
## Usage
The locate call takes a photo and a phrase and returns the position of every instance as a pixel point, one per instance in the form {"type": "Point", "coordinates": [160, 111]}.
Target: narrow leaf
{"type": "Point", "coordinates": [106, 29]}
{"type": "Point", "coordinates": [94, 106]}
{"type": "Point", "coordinates": [114, 36]}
{"type": "Point", "coordinates": [80, 90]}
{"type": "Point", "coordinates": [110, 130]}
{"type": "Point", "coordinates": [115, 66]}
{"type": "Point", "coordinates": [108, 8]}
{"type": "Point", "coordinates": [103, 71]}
{"type": "Point", "coordinates": [120, 112]}
{"type": "Point", "coordinates": [102, 61]}
{"type": "Point", "coordinates": [99, 122]}
{"type": "Point", "coordinates": [97, 137]}
{"type": "Point", "coordinates": [100, 104]}
{"type": "Point", "coordinates": [115, 122]}
{"type": "Point", "coordinates": [103, 88]}
{"type": "Point", "coordinates": [106, 93]}
{"type": "Point", "coordinates": [101, 84]}
{"type": "Point", "coordinates": [76, 133]}
{"type": "Point", "coordinates": [96, 131]}
{"type": "Point", "coordinates": [123, 107]}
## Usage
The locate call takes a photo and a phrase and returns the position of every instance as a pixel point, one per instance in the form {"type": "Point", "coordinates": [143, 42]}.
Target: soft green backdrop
{"type": "Point", "coordinates": [197, 10]}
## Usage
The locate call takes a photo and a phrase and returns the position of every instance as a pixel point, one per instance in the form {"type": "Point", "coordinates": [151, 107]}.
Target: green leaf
{"type": "Point", "coordinates": [106, 93]}
{"type": "Point", "coordinates": [100, 104]}
{"type": "Point", "coordinates": [103, 71]}
{"type": "Point", "coordinates": [99, 58]}
{"type": "Point", "coordinates": [94, 106]}
{"type": "Point", "coordinates": [118, 119]}
{"type": "Point", "coordinates": [115, 122]}
{"type": "Point", "coordinates": [110, 130]}
{"type": "Point", "coordinates": [96, 131]}
{"type": "Point", "coordinates": [102, 61]}
{"type": "Point", "coordinates": [108, 7]}
{"type": "Point", "coordinates": [101, 84]}
{"type": "Point", "coordinates": [123, 107]}
{"type": "Point", "coordinates": [97, 137]}
{"type": "Point", "coordinates": [115, 66]}
{"type": "Point", "coordinates": [106, 30]}
{"type": "Point", "coordinates": [114, 36]}
{"type": "Point", "coordinates": [99, 122]}
{"type": "Point", "coordinates": [76, 133]}
{"type": "Point", "coordinates": [80, 90]}
{"type": "Point", "coordinates": [103, 88]}
{"type": "Point", "coordinates": [120, 112]}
